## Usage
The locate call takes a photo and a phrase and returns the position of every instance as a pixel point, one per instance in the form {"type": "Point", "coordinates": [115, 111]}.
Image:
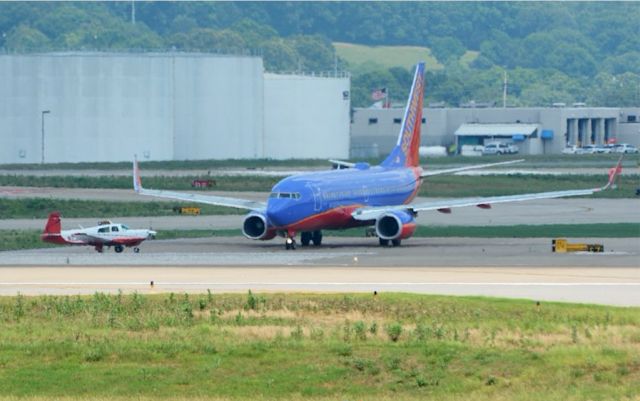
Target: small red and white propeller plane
{"type": "Point", "coordinates": [104, 234]}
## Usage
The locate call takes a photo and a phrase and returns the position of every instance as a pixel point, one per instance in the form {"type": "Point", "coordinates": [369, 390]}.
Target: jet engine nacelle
{"type": "Point", "coordinates": [255, 226]}
{"type": "Point", "coordinates": [395, 225]}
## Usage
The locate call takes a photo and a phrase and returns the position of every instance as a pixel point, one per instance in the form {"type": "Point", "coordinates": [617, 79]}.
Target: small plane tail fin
{"type": "Point", "coordinates": [137, 182]}
{"type": "Point", "coordinates": [53, 225]}
{"type": "Point", "coordinates": [405, 153]}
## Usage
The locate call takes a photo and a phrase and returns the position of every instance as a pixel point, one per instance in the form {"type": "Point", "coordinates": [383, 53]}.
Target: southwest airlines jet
{"type": "Point", "coordinates": [358, 196]}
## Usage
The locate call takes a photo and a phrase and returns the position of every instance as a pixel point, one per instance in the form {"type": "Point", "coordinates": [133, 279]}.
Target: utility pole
{"type": "Point", "coordinates": [504, 91]}
{"type": "Point", "coordinates": [133, 12]}
{"type": "Point", "coordinates": [43, 113]}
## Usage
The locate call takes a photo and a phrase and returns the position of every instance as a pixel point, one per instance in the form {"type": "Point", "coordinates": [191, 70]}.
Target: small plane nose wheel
{"type": "Point", "coordinates": [118, 248]}
{"type": "Point", "coordinates": [290, 243]}
{"type": "Point", "coordinates": [136, 250]}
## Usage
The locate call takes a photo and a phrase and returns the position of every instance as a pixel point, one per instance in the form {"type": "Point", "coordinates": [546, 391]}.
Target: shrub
{"type": "Point", "coordinates": [360, 329]}
{"type": "Point", "coordinates": [394, 331]}
{"type": "Point", "coordinates": [297, 333]}
{"type": "Point", "coordinates": [94, 355]}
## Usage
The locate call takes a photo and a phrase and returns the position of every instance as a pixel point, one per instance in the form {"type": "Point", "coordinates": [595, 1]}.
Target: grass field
{"type": "Point", "coordinates": [310, 346]}
{"type": "Point", "coordinates": [39, 208]}
{"type": "Point", "coordinates": [361, 56]}
{"type": "Point", "coordinates": [29, 239]}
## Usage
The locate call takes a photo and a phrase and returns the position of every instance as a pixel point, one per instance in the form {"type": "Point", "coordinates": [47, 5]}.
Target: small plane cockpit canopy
{"type": "Point", "coordinates": [285, 195]}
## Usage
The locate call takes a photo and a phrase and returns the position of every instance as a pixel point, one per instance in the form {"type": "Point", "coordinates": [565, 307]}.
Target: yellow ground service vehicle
{"type": "Point", "coordinates": [561, 245]}
{"type": "Point", "coordinates": [194, 211]}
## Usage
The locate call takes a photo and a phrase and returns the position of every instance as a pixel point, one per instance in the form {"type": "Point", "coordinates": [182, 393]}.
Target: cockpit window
{"type": "Point", "coordinates": [114, 228]}
{"type": "Point", "coordinates": [285, 195]}
{"type": "Point", "coordinates": [124, 227]}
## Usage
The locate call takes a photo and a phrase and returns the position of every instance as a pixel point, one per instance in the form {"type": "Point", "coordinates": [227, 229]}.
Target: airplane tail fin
{"type": "Point", "coordinates": [53, 225]}
{"type": "Point", "coordinates": [405, 153]}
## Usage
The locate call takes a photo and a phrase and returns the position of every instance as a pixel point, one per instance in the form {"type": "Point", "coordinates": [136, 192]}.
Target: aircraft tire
{"type": "Point", "coordinates": [118, 248]}
{"type": "Point", "coordinates": [305, 238]}
{"type": "Point", "coordinates": [383, 242]}
{"type": "Point", "coordinates": [136, 250]}
{"type": "Point", "coordinates": [316, 237]}
{"type": "Point", "coordinates": [396, 242]}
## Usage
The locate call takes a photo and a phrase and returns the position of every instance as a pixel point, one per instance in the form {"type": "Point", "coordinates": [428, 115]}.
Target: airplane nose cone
{"type": "Point", "coordinates": [276, 212]}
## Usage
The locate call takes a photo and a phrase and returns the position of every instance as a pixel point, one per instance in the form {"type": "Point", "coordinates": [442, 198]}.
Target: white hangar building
{"type": "Point", "coordinates": [106, 107]}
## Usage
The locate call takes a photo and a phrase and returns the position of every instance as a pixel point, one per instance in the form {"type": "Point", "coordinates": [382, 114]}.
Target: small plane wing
{"type": "Point", "coordinates": [372, 213]}
{"type": "Point", "coordinates": [87, 238]}
{"type": "Point", "coordinates": [207, 199]}
{"type": "Point", "coordinates": [466, 168]}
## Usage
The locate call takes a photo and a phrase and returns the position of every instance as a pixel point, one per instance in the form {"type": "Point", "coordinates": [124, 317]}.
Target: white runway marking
{"type": "Point", "coordinates": [321, 283]}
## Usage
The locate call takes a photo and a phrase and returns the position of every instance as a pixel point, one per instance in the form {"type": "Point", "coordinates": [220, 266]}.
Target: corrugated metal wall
{"type": "Point", "coordinates": [107, 107]}
{"type": "Point", "coordinates": [306, 117]}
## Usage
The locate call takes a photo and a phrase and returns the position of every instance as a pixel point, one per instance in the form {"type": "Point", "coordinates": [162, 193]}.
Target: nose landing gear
{"type": "Point", "coordinates": [290, 243]}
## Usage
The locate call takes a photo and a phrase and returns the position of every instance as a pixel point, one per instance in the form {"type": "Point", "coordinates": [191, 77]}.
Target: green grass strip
{"type": "Point", "coordinates": [39, 208]}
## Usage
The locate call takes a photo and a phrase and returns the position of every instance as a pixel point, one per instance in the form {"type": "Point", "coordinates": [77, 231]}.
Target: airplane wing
{"type": "Point", "coordinates": [207, 199]}
{"type": "Point", "coordinates": [466, 168]}
{"type": "Point", "coordinates": [87, 238]}
{"type": "Point", "coordinates": [338, 164]}
{"type": "Point", "coordinates": [342, 164]}
{"type": "Point", "coordinates": [445, 206]}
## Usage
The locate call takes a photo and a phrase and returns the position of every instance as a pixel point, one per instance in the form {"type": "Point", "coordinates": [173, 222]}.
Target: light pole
{"type": "Point", "coordinates": [43, 113]}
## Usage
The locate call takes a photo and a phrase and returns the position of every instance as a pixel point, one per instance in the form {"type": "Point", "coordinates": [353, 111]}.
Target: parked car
{"type": "Point", "coordinates": [625, 148]}
{"type": "Point", "coordinates": [570, 150]}
{"type": "Point", "coordinates": [499, 149]}
{"type": "Point", "coordinates": [587, 150]}
{"type": "Point", "coordinates": [603, 149]}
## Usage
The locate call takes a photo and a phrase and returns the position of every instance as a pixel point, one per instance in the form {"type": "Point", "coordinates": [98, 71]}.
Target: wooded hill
{"type": "Point", "coordinates": [554, 52]}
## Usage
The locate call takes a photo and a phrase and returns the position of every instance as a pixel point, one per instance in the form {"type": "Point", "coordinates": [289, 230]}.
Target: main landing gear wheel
{"type": "Point", "coordinates": [305, 238]}
{"type": "Point", "coordinates": [118, 248]}
{"type": "Point", "coordinates": [383, 242]}
{"type": "Point", "coordinates": [136, 250]}
{"type": "Point", "coordinates": [290, 244]}
{"type": "Point", "coordinates": [316, 237]}
{"type": "Point", "coordinates": [396, 242]}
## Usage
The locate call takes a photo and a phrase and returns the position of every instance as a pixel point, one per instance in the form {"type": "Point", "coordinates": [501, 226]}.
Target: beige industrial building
{"type": "Point", "coordinates": [535, 130]}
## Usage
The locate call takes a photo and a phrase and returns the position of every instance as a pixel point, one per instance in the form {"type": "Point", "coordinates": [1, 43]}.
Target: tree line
{"type": "Point", "coordinates": [553, 52]}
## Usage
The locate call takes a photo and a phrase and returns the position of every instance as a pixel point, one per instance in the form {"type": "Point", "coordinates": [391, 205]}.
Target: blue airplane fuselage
{"type": "Point", "coordinates": [325, 200]}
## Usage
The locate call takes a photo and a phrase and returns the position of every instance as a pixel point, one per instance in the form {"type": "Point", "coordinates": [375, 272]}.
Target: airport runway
{"type": "Point", "coordinates": [521, 268]}
{"type": "Point", "coordinates": [544, 211]}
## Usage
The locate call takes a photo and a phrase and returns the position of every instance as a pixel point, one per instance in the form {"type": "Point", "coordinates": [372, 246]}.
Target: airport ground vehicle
{"type": "Point", "coordinates": [104, 234]}
{"type": "Point", "coordinates": [499, 149]}
{"type": "Point", "coordinates": [358, 196]}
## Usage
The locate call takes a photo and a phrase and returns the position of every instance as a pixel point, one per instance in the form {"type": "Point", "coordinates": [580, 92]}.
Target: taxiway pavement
{"type": "Point", "coordinates": [543, 211]}
{"type": "Point", "coordinates": [520, 268]}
